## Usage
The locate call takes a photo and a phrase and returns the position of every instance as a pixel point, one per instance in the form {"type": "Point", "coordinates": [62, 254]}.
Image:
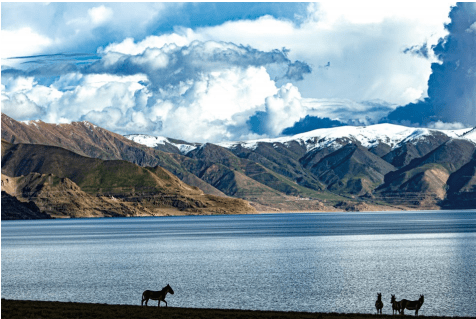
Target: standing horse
{"type": "Point", "coordinates": [396, 305]}
{"type": "Point", "coordinates": [156, 295]}
{"type": "Point", "coordinates": [411, 305]}
{"type": "Point", "coordinates": [379, 303]}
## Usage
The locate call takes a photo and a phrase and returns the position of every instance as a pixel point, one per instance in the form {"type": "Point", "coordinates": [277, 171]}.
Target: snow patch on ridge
{"type": "Point", "coordinates": [147, 140]}
{"type": "Point", "coordinates": [470, 135]}
{"type": "Point", "coordinates": [369, 136]}
{"type": "Point", "coordinates": [184, 148]}
{"type": "Point", "coordinates": [153, 141]}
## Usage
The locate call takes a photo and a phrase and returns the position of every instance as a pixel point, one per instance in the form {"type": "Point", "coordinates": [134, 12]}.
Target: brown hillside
{"type": "Point", "coordinates": [89, 140]}
{"type": "Point", "coordinates": [62, 182]}
{"type": "Point", "coordinates": [13, 209]}
{"type": "Point", "coordinates": [60, 197]}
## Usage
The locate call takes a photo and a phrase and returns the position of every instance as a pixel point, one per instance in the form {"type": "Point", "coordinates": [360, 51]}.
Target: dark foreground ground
{"type": "Point", "coordinates": [52, 310]}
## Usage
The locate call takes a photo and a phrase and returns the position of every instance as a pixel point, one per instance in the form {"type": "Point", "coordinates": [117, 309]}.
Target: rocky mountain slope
{"type": "Point", "coordinates": [424, 181]}
{"type": "Point", "coordinates": [63, 183]}
{"type": "Point", "coordinates": [212, 178]}
{"type": "Point", "coordinates": [87, 139]}
{"type": "Point", "coordinates": [385, 163]}
{"type": "Point", "coordinates": [338, 167]}
{"type": "Point", "coordinates": [461, 187]}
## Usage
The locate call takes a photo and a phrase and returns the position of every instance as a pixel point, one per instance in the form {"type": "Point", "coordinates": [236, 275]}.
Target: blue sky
{"type": "Point", "coordinates": [230, 71]}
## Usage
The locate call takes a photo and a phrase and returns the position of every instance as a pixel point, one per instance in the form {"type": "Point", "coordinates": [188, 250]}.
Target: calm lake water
{"type": "Point", "coordinates": [334, 262]}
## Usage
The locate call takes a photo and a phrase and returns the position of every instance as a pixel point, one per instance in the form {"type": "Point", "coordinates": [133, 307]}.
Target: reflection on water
{"type": "Point", "coordinates": [293, 262]}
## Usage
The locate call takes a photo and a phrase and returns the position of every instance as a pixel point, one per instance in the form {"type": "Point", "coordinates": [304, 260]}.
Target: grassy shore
{"type": "Point", "coordinates": [56, 310]}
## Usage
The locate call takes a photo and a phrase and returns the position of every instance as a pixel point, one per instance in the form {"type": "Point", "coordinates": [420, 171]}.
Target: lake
{"type": "Point", "coordinates": [318, 262]}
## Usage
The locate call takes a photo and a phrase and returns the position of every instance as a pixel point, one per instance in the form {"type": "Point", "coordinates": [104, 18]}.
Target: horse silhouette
{"type": "Point", "coordinates": [156, 295]}
{"type": "Point", "coordinates": [411, 305]}
{"type": "Point", "coordinates": [379, 303]}
{"type": "Point", "coordinates": [396, 305]}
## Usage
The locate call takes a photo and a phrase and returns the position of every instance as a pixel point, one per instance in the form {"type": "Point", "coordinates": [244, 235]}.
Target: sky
{"type": "Point", "coordinates": [226, 71]}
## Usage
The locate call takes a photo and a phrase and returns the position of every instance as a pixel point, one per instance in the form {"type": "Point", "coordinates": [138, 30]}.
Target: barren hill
{"type": "Point", "coordinates": [64, 183]}
{"type": "Point", "coordinates": [86, 139]}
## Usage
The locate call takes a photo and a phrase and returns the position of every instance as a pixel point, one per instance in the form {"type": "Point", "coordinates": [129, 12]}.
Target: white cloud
{"type": "Point", "coordinates": [206, 109]}
{"type": "Point", "coordinates": [168, 64]}
{"type": "Point", "coordinates": [376, 12]}
{"type": "Point", "coordinates": [18, 84]}
{"type": "Point", "coordinates": [95, 93]}
{"type": "Point", "coordinates": [42, 95]}
{"type": "Point", "coordinates": [210, 108]}
{"type": "Point", "coordinates": [19, 106]}
{"type": "Point", "coordinates": [77, 26]}
{"type": "Point", "coordinates": [100, 15]}
{"type": "Point", "coordinates": [348, 111]}
{"type": "Point", "coordinates": [71, 97]}
{"type": "Point", "coordinates": [364, 43]}
{"type": "Point", "coordinates": [23, 42]}
{"type": "Point", "coordinates": [439, 125]}
{"type": "Point", "coordinates": [83, 22]}
{"type": "Point", "coordinates": [182, 37]}
{"type": "Point", "coordinates": [283, 109]}
{"type": "Point", "coordinates": [206, 84]}
{"type": "Point", "coordinates": [472, 28]}
{"type": "Point", "coordinates": [152, 58]}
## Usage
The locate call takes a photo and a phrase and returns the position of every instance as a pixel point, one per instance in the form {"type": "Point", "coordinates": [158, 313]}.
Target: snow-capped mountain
{"type": "Point", "coordinates": [333, 138]}
{"type": "Point", "coordinates": [368, 136]}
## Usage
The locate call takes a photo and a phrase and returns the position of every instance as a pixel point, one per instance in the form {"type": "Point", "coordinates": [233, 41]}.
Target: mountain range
{"type": "Point", "coordinates": [377, 167]}
{"type": "Point", "coordinates": [388, 164]}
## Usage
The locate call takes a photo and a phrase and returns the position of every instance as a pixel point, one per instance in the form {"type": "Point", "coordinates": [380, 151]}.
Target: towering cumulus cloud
{"type": "Point", "coordinates": [451, 100]}
{"type": "Point", "coordinates": [173, 85]}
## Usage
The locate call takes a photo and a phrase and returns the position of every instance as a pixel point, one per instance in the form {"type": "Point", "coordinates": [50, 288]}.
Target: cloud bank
{"type": "Point", "coordinates": [235, 79]}
{"type": "Point", "coordinates": [197, 91]}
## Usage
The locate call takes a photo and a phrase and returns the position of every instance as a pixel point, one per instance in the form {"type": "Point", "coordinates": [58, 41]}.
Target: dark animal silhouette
{"type": "Point", "coordinates": [411, 305]}
{"type": "Point", "coordinates": [396, 305]}
{"type": "Point", "coordinates": [156, 295]}
{"type": "Point", "coordinates": [379, 303]}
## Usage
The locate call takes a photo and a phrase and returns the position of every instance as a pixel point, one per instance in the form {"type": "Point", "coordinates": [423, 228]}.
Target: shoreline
{"type": "Point", "coordinates": [66, 310]}
{"type": "Point", "coordinates": [268, 212]}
